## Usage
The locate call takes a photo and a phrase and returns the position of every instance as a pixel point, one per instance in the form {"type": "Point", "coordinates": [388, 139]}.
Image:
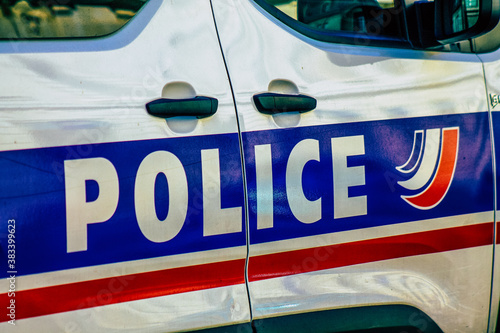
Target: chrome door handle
{"type": "Point", "coordinates": [199, 107]}
{"type": "Point", "coordinates": [274, 103]}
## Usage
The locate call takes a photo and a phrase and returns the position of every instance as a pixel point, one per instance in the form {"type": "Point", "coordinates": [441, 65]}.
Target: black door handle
{"type": "Point", "coordinates": [199, 107]}
{"type": "Point", "coordinates": [273, 103]}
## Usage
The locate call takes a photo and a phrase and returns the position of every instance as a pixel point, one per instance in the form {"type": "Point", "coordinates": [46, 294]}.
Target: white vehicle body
{"type": "Point", "coordinates": [379, 204]}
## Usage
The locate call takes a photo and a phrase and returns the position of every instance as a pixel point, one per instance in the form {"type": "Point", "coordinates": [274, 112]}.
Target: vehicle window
{"type": "Point", "coordinates": [379, 18]}
{"type": "Point", "coordinates": [35, 19]}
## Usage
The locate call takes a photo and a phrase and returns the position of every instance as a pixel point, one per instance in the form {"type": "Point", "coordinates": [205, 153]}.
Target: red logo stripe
{"type": "Point", "coordinates": [87, 294]}
{"type": "Point", "coordinates": [442, 180]}
{"type": "Point", "coordinates": [339, 255]}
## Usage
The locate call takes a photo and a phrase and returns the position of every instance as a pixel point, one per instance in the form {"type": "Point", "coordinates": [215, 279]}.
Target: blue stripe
{"type": "Point", "coordinates": [33, 190]}
{"type": "Point", "coordinates": [33, 194]}
{"type": "Point", "coordinates": [387, 144]}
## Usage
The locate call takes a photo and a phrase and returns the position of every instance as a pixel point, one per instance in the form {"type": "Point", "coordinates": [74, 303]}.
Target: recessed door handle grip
{"type": "Point", "coordinates": [199, 107]}
{"type": "Point", "coordinates": [273, 103]}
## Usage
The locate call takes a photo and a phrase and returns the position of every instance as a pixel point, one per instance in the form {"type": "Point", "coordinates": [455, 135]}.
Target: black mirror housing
{"type": "Point", "coordinates": [458, 20]}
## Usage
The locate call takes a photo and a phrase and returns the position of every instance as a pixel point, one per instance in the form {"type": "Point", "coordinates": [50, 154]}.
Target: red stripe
{"type": "Point", "coordinates": [498, 232]}
{"type": "Point", "coordinates": [87, 294]}
{"type": "Point", "coordinates": [314, 259]}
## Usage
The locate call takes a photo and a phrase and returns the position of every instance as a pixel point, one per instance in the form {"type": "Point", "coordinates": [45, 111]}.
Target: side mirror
{"type": "Point", "coordinates": [458, 20]}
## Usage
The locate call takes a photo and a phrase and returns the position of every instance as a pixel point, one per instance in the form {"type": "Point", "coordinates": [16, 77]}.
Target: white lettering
{"type": "Point", "coordinates": [264, 186]}
{"type": "Point", "coordinates": [344, 177]}
{"type": "Point", "coordinates": [216, 220]}
{"type": "Point", "coordinates": [79, 212]}
{"type": "Point", "coordinates": [144, 196]}
{"type": "Point", "coordinates": [303, 209]}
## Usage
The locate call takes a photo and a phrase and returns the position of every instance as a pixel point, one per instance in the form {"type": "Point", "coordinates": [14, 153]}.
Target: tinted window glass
{"type": "Point", "coordinates": [65, 18]}
{"type": "Point", "coordinates": [367, 17]}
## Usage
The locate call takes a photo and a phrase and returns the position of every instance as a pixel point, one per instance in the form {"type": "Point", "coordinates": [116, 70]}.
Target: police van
{"type": "Point", "coordinates": [249, 165]}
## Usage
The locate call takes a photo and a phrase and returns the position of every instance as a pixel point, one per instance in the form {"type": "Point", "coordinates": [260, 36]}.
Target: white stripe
{"type": "Point", "coordinates": [173, 313]}
{"type": "Point", "coordinates": [370, 233]}
{"type": "Point", "coordinates": [190, 259]}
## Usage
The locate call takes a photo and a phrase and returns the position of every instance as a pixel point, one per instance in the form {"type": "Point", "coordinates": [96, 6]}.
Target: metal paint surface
{"type": "Point", "coordinates": [91, 97]}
